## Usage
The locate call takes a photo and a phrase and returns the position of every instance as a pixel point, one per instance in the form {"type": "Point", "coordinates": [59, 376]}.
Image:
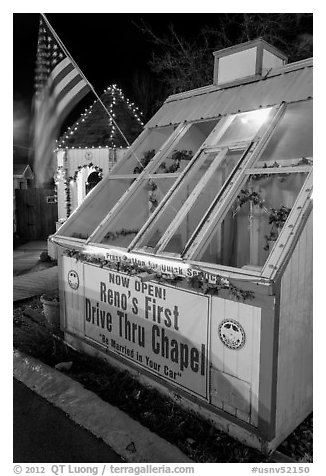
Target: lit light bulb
{"type": "Point", "coordinates": [256, 117]}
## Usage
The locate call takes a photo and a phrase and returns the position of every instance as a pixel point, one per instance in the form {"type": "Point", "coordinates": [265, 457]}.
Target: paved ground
{"type": "Point", "coordinates": [127, 437]}
{"type": "Point", "coordinates": [31, 276]}
{"type": "Point", "coordinates": [43, 434]}
{"type": "Point", "coordinates": [27, 256]}
{"type": "Point", "coordinates": [35, 284]}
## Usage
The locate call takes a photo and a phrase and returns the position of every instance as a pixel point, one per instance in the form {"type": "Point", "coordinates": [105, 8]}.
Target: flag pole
{"type": "Point", "coordinates": [82, 74]}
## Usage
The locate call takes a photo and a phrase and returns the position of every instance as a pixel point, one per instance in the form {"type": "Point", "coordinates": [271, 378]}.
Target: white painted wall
{"type": "Point", "coordinates": [236, 66]}
{"type": "Point", "coordinates": [295, 360]}
{"type": "Point", "coordinates": [104, 158]}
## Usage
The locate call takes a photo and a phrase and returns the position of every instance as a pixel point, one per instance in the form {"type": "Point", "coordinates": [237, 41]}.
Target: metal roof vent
{"type": "Point", "coordinates": [252, 59]}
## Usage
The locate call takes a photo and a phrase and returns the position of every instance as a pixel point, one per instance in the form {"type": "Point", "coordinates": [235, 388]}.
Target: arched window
{"type": "Point", "coordinates": [92, 180]}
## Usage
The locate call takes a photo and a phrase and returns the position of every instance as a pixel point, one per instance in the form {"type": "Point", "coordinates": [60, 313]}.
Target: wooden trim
{"type": "Point", "coordinates": [278, 170]}
{"type": "Point", "coordinates": [164, 176]}
{"type": "Point", "coordinates": [232, 50]}
{"type": "Point", "coordinates": [150, 176]}
{"type": "Point", "coordinates": [259, 58]}
{"type": "Point", "coordinates": [67, 241]}
{"type": "Point", "coordinates": [284, 240]}
{"type": "Point", "coordinates": [305, 217]}
{"type": "Point", "coordinates": [268, 369]}
{"type": "Point", "coordinates": [218, 131]}
{"type": "Point", "coordinates": [282, 162]}
{"type": "Point", "coordinates": [259, 42]}
{"type": "Point", "coordinates": [124, 177]}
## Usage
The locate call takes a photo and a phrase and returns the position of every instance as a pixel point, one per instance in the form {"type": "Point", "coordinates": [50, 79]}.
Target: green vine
{"type": "Point", "coordinates": [99, 171]}
{"type": "Point", "coordinates": [246, 196]}
{"type": "Point", "coordinates": [198, 282]}
{"type": "Point", "coordinates": [144, 161]}
{"type": "Point", "coordinates": [201, 283]}
{"type": "Point", "coordinates": [276, 216]}
{"type": "Point", "coordinates": [176, 157]}
{"type": "Point", "coordinates": [152, 197]}
{"type": "Point", "coordinates": [112, 235]}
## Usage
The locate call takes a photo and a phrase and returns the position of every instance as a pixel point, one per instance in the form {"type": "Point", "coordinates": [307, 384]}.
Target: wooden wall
{"type": "Point", "coordinates": [36, 215]}
{"type": "Point", "coordinates": [294, 373]}
{"type": "Point", "coordinates": [235, 372]}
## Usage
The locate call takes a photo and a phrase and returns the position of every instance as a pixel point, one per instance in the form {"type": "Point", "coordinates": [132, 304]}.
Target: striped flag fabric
{"type": "Point", "coordinates": [59, 86]}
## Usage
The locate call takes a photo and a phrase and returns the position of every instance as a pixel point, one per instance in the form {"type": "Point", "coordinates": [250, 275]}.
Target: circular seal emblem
{"type": "Point", "coordinates": [73, 279]}
{"type": "Point", "coordinates": [232, 334]}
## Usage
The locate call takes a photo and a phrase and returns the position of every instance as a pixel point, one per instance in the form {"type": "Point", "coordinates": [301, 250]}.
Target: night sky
{"type": "Point", "coordinates": [108, 48]}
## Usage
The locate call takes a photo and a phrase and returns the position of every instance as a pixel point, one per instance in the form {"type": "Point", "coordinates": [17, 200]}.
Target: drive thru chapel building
{"type": "Point", "coordinates": [195, 267]}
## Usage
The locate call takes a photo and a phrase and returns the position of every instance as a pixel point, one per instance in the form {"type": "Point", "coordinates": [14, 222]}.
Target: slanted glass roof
{"type": "Point", "coordinates": [215, 192]}
{"type": "Point", "coordinates": [156, 179]}
{"type": "Point", "coordinates": [293, 137]}
{"type": "Point", "coordinates": [246, 235]}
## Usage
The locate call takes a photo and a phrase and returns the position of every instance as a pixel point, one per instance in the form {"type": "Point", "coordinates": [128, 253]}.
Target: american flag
{"type": "Point", "coordinates": [59, 86]}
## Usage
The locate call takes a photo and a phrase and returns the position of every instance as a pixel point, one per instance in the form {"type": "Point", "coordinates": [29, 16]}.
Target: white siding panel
{"type": "Point", "coordinates": [74, 298]}
{"type": "Point", "coordinates": [235, 373]}
{"type": "Point", "coordinates": [294, 389]}
{"type": "Point", "coordinates": [102, 157]}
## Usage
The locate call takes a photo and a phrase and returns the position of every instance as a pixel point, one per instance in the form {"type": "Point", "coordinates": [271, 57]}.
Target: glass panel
{"type": "Point", "coordinates": [184, 150]}
{"type": "Point", "coordinates": [177, 159]}
{"type": "Point", "coordinates": [169, 211]}
{"type": "Point", "coordinates": [155, 139]}
{"type": "Point", "coordinates": [203, 202]}
{"type": "Point", "coordinates": [248, 232]}
{"type": "Point", "coordinates": [245, 126]}
{"type": "Point", "coordinates": [92, 212]}
{"type": "Point", "coordinates": [137, 211]}
{"type": "Point", "coordinates": [293, 136]}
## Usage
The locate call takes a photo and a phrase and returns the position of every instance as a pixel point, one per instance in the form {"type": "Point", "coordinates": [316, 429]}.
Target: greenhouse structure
{"type": "Point", "coordinates": [193, 263]}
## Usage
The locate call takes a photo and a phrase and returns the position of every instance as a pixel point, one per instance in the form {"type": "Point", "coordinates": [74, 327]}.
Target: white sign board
{"type": "Point", "coordinates": [157, 327]}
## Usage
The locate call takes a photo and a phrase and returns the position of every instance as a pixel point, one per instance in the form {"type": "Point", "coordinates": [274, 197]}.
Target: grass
{"type": "Point", "coordinates": [195, 436]}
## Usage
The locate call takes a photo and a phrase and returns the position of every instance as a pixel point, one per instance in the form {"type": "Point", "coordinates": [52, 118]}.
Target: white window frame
{"type": "Point", "coordinates": [287, 233]}
{"type": "Point", "coordinates": [222, 152]}
{"type": "Point", "coordinates": [221, 203]}
{"type": "Point", "coordinates": [208, 146]}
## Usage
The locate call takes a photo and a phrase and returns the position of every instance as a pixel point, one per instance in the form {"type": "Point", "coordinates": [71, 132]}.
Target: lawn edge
{"type": "Point", "coordinates": [127, 437]}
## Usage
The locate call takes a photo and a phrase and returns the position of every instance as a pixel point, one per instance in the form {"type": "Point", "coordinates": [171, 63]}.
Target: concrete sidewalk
{"type": "Point", "coordinates": [31, 276]}
{"type": "Point", "coordinates": [42, 433]}
{"type": "Point", "coordinates": [35, 284]}
{"type": "Point", "coordinates": [127, 437]}
{"type": "Point", "coordinates": [27, 256]}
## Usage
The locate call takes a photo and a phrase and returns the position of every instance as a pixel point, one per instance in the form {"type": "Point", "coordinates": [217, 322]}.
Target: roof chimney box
{"type": "Point", "coordinates": [252, 59]}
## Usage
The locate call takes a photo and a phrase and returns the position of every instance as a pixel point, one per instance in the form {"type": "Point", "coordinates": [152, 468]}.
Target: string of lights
{"type": "Point", "coordinates": [115, 94]}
